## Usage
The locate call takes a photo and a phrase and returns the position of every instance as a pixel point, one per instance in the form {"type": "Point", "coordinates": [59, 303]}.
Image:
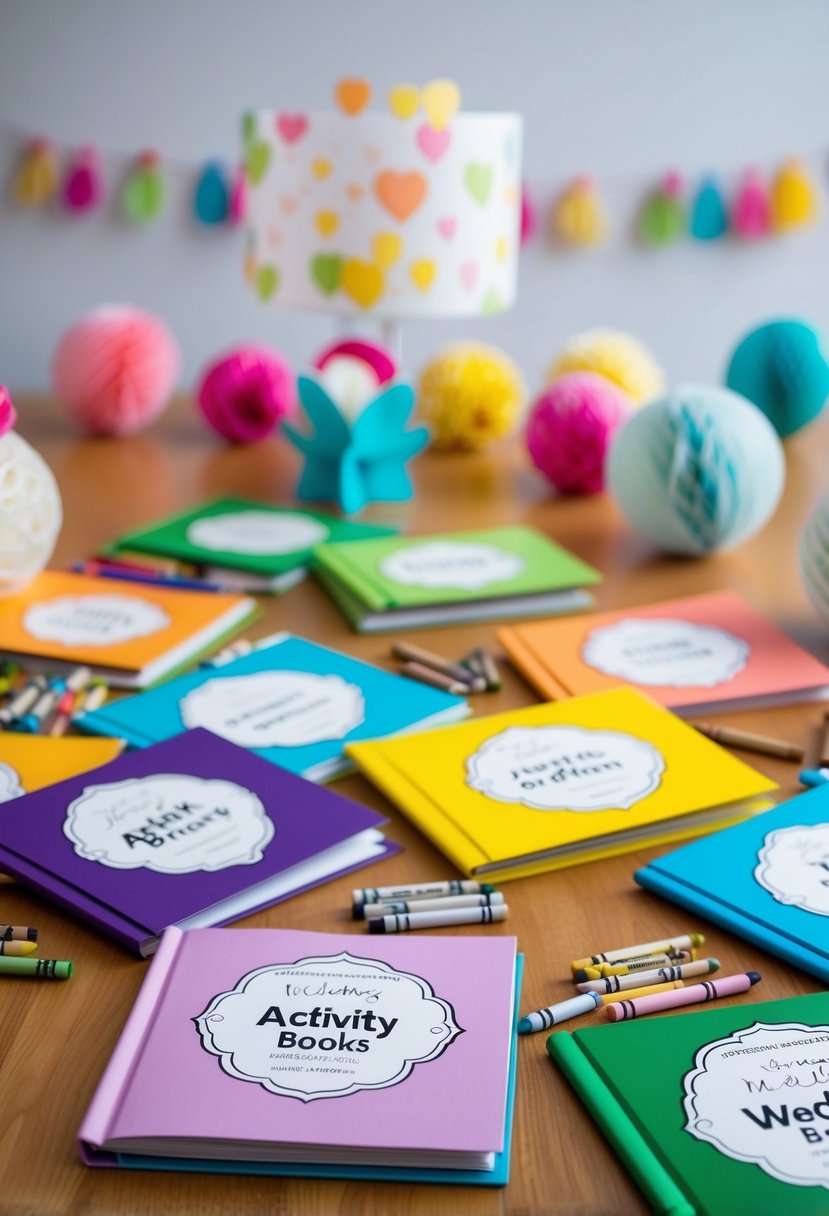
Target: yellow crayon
{"type": "Point", "coordinates": [18, 949]}
{"type": "Point", "coordinates": [609, 997]}
{"type": "Point", "coordinates": [683, 941]}
{"type": "Point", "coordinates": [645, 963]}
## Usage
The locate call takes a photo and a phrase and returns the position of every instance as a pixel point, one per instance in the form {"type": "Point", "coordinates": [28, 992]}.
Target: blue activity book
{"type": "Point", "coordinates": [292, 701]}
{"type": "Point", "coordinates": [766, 879]}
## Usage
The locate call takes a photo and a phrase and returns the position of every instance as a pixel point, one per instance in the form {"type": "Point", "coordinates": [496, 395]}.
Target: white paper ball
{"type": "Point", "coordinates": [813, 556]}
{"type": "Point", "coordinates": [30, 513]}
{"type": "Point", "coordinates": [698, 470]}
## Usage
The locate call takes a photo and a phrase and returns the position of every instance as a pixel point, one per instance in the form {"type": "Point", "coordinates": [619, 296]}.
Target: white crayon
{"type": "Point", "coordinates": [437, 920]}
{"type": "Point", "coordinates": [445, 903]}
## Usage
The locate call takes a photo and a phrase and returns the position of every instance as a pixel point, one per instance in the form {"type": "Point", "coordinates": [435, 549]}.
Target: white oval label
{"type": "Point", "coordinates": [451, 564]}
{"type": "Point", "coordinates": [275, 708]}
{"type": "Point", "coordinates": [10, 784]}
{"type": "Point", "coordinates": [172, 823]}
{"type": "Point", "coordinates": [671, 653]}
{"type": "Point", "coordinates": [793, 866]}
{"type": "Point", "coordinates": [259, 533]}
{"type": "Point", "coordinates": [565, 768]}
{"type": "Point", "coordinates": [326, 1027]}
{"type": "Point", "coordinates": [94, 620]}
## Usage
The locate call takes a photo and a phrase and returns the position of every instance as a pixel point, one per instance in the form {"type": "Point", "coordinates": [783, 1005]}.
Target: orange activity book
{"type": "Point", "coordinates": [704, 653]}
{"type": "Point", "coordinates": [130, 634]}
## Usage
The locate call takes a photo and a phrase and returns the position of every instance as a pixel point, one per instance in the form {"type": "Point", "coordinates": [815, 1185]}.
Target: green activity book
{"type": "Point", "coordinates": [408, 582]}
{"type": "Point", "coordinates": [227, 534]}
{"type": "Point", "coordinates": [714, 1113]}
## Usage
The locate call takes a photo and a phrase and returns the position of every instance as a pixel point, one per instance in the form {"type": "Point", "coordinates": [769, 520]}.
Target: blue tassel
{"type": "Point", "coordinates": [212, 199]}
{"type": "Point", "coordinates": [709, 220]}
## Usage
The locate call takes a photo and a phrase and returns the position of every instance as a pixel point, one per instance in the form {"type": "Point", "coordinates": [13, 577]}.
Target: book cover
{"type": "Point", "coordinates": [286, 1050]}
{"type": "Point", "coordinates": [291, 701]}
{"type": "Point", "coordinates": [241, 534]}
{"type": "Point", "coordinates": [551, 785]}
{"type": "Point", "coordinates": [733, 1119]}
{"type": "Point", "coordinates": [193, 831]}
{"type": "Point", "coordinates": [30, 762]}
{"type": "Point", "coordinates": [408, 582]}
{"type": "Point", "coordinates": [697, 654]}
{"type": "Point", "coordinates": [130, 634]}
{"type": "Point", "coordinates": [766, 880]}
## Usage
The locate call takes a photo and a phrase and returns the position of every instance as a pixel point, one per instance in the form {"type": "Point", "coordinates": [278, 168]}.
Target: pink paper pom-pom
{"type": "Point", "coordinates": [244, 393]}
{"type": "Point", "coordinates": [8, 414]}
{"type": "Point", "coordinates": [115, 369]}
{"type": "Point", "coordinates": [570, 429]}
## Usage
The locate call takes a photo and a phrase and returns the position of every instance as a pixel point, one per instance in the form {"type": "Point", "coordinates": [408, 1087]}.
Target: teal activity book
{"type": "Point", "coordinates": [766, 879]}
{"type": "Point", "coordinates": [715, 1113]}
{"type": "Point", "coordinates": [271, 543]}
{"type": "Point", "coordinates": [406, 583]}
{"type": "Point", "coordinates": [292, 701]}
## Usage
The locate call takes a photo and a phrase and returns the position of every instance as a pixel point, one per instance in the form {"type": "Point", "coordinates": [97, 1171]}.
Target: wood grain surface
{"type": "Point", "coordinates": [55, 1039]}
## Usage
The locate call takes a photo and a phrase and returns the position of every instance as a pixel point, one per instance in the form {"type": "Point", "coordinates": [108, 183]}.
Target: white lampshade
{"type": "Point", "coordinates": [370, 214]}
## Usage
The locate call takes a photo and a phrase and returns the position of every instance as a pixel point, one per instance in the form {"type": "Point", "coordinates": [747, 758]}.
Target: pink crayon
{"type": "Point", "coordinates": [708, 990]}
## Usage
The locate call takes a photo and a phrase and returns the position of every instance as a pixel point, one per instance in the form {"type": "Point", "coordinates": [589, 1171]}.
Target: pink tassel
{"type": "Point", "coordinates": [238, 198]}
{"type": "Point", "coordinates": [528, 219]}
{"type": "Point", "coordinates": [83, 186]}
{"type": "Point", "coordinates": [752, 210]}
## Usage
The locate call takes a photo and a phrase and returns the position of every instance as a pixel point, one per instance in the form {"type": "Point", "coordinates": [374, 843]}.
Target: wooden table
{"type": "Point", "coordinates": [55, 1040]}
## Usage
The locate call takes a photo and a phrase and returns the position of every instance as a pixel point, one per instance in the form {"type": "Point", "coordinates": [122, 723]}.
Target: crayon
{"type": "Point", "coordinates": [18, 933]}
{"type": "Point", "coordinates": [134, 560]}
{"type": "Point", "coordinates": [437, 920]}
{"type": "Point", "coordinates": [31, 722]}
{"type": "Point", "coordinates": [814, 776]}
{"type": "Point", "coordinates": [78, 679]}
{"type": "Point", "coordinates": [235, 651]}
{"type": "Point", "coordinates": [63, 713]}
{"type": "Point", "coordinates": [148, 577]}
{"type": "Point", "coordinates": [684, 941]}
{"type": "Point", "coordinates": [436, 662]}
{"type": "Point", "coordinates": [543, 1019]}
{"type": "Point", "coordinates": [645, 990]}
{"type": "Point", "coordinates": [17, 949]}
{"type": "Point", "coordinates": [646, 963]}
{"type": "Point", "coordinates": [444, 903]}
{"type": "Point", "coordinates": [729, 736]}
{"type": "Point", "coordinates": [436, 679]}
{"type": "Point", "coordinates": [659, 975]}
{"type": "Point", "coordinates": [419, 890]}
{"type": "Point", "coordinates": [482, 662]}
{"type": "Point", "coordinates": [36, 968]}
{"type": "Point", "coordinates": [24, 700]}
{"type": "Point", "coordinates": [708, 990]}
{"type": "Point", "coordinates": [92, 698]}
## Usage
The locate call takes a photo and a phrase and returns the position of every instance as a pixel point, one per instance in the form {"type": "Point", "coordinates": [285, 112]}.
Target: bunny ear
{"type": "Point", "coordinates": [379, 429]}
{"type": "Point", "coordinates": [332, 434]}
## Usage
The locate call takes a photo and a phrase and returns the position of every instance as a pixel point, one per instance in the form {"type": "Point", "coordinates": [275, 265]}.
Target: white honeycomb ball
{"type": "Point", "coordinates": [30, 513]}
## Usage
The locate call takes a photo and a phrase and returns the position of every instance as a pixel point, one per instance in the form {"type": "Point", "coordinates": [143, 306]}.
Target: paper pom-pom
{"type": "Point", "coordinates": [36, 179]}
{"type": "Point", "coordinates": [115, 369]}
{"type": "Point", "coordinates": [662, 219]}
{"type": "Point", "coordinates": [470, 394]}
{"type": "Point", "coordinates": [30, 506]}
{"type": "Point", "coordinates": [381, 361]}
{"type": "Point", "coordinates": [570, 429]}
{"type": "Point", "coordinates": [245, 393]}
{"type": "Point", "coordinates": [752, 209]}
{"type": "Point", "coordinates": [578, 217]}
{"type": "Point", "coordinates": [698, 470]}
{"type": "Point", "coordinates": [793, 196]}
{"type": "Point", "coordinates": [783, 370]}
{"type": "Point", "coordinates": [615, 355]}
{"type": "Point", "coordinates": [813, 557]}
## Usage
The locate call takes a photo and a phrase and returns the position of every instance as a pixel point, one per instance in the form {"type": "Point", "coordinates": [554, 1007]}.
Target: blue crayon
{"type": "Point", "coordinates": [814, 776]}
{"type": "Point", "coordinates": [543, 1019]}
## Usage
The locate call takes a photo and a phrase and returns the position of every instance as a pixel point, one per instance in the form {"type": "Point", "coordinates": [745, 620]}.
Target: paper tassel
{"type": "Point", "coordinates": [142, 195]}
{"type": "Point", "coordinates": [36, 179]}
{"type": "Point", "coordinates": [793, 196]}
{"type": "Point", "coordinates": [662, 219]}
{"type": "Point", "coordinates": [709, 220]}
{"type": "Point", "coordinates": [238, 198]}
{"type": "Point", "coordinates": [83, 186]}
{"type": "Point", "coordinates": [212, 198]}
{"type": "Point", "coordinates": [578, 215]}
{"type": "Point", "coordinates": [528, 221]}
{"type": "Point", "coordinates": [751, 218]}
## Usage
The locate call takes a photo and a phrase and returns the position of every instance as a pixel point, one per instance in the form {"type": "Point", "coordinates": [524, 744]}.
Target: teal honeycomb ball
{"type": "Point", "coordinates": [781, 367]}
{"type": "Point", "coordinates": [698, 470]}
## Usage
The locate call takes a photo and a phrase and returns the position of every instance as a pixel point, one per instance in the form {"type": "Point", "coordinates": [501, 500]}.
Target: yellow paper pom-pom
{"type": "Point", "coordinates": [614, 355]}
{"type": "Point", "coordinates": [470, 394]}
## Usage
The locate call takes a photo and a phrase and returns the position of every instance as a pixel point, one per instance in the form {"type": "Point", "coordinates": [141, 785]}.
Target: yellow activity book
{"type": "Point", "coordinates": [31, 762]}
{"type": "Point", "coordinates": [548, 786]}
{"type": "Point", "coordinates": [131, 634]}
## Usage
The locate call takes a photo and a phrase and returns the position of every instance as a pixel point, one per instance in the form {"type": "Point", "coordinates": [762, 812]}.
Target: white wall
{"type": "Point", "coordinates": [621, 88]}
